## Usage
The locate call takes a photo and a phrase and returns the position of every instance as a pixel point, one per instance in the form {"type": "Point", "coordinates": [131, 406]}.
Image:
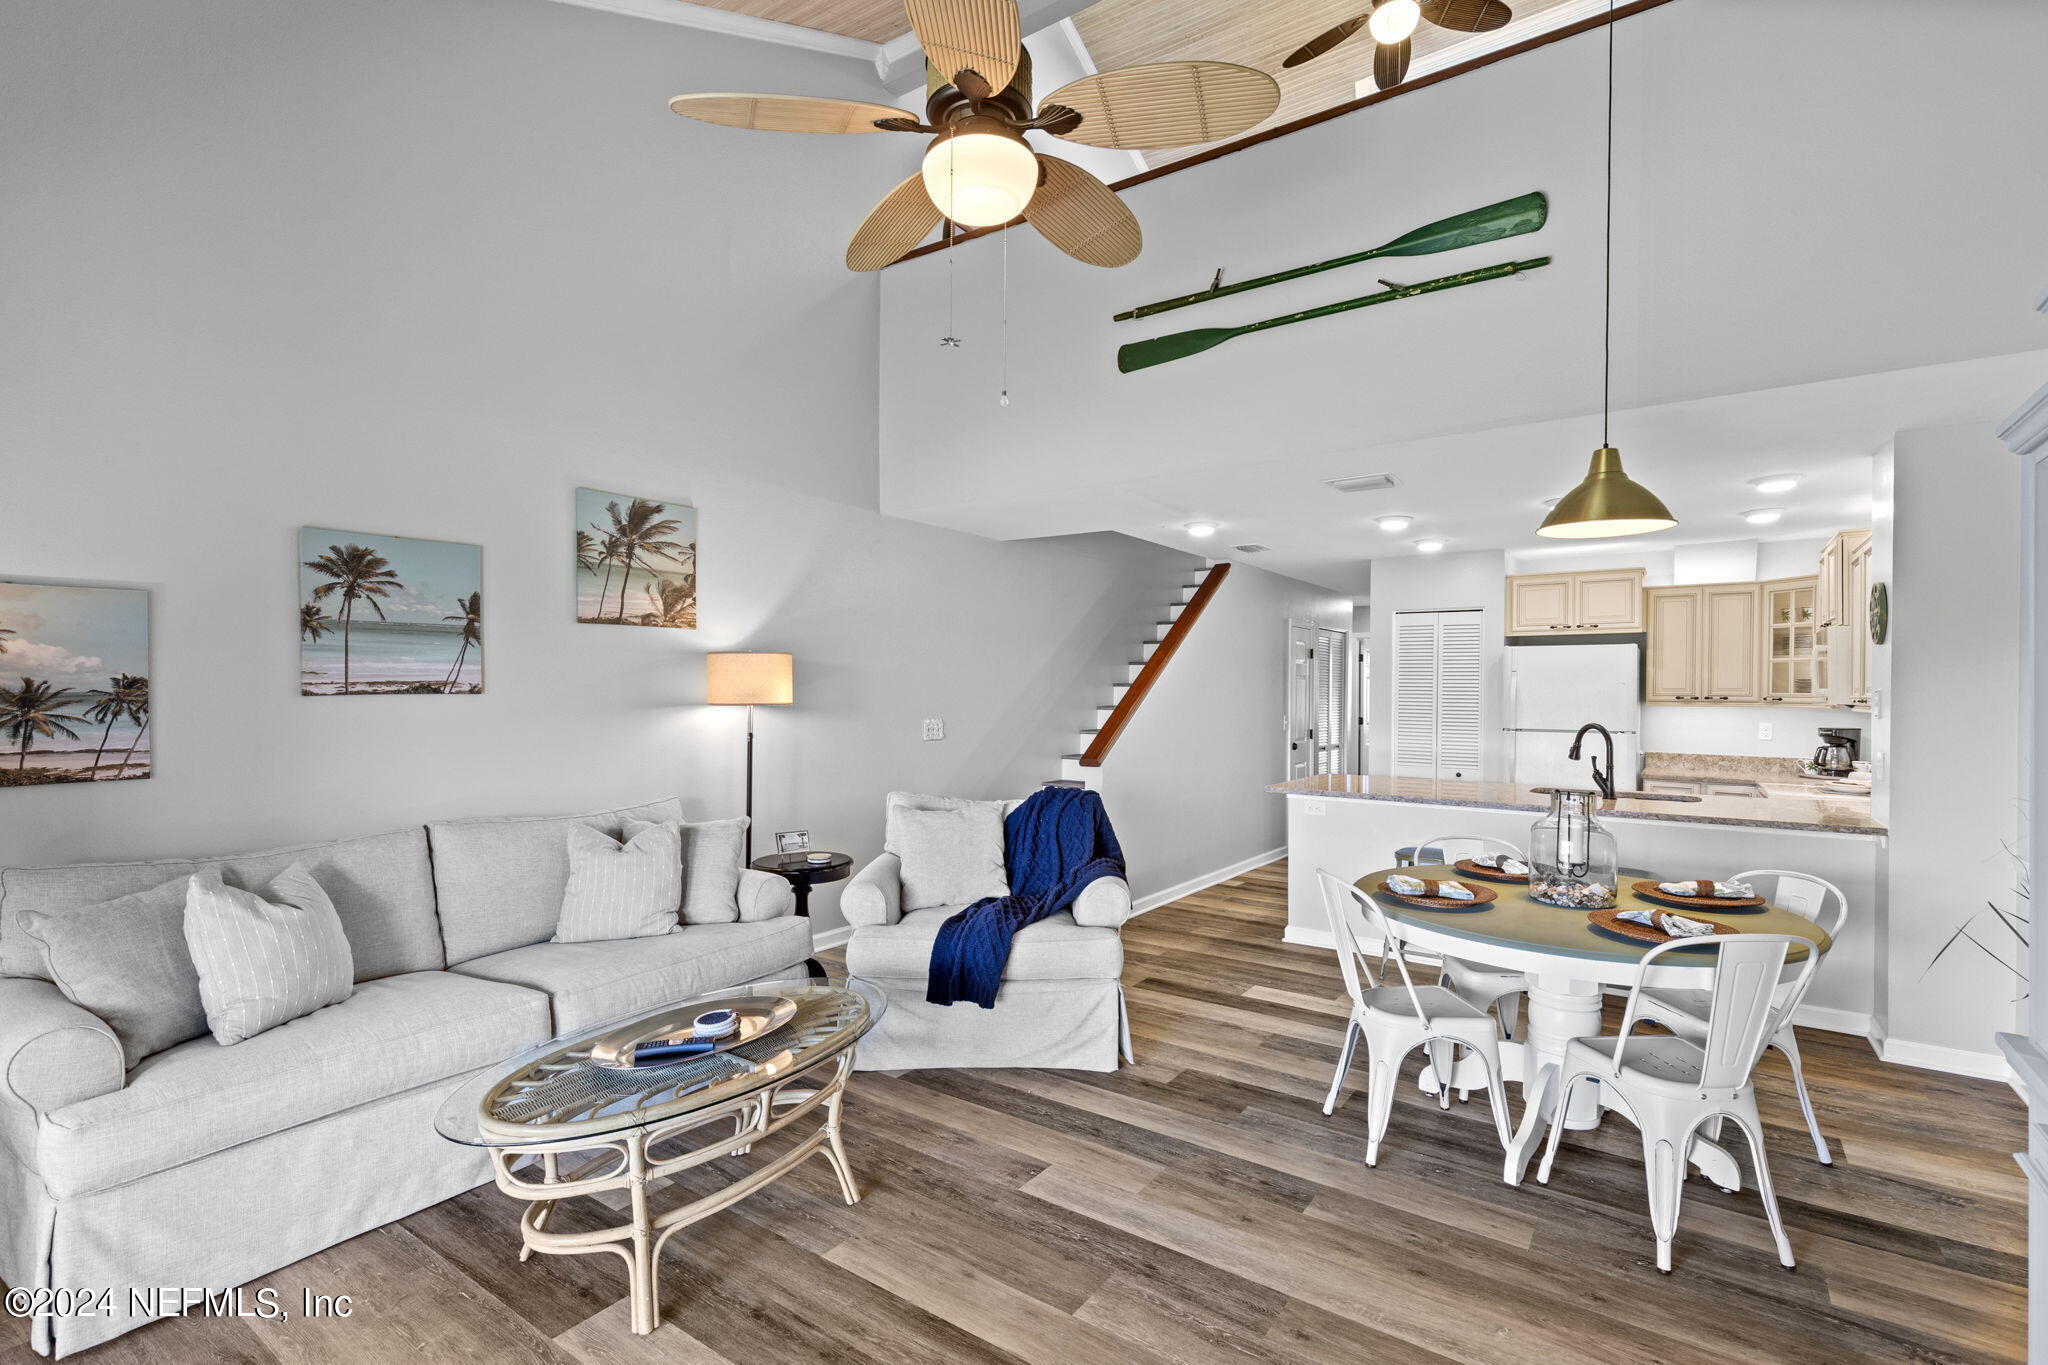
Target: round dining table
{"type": "Point", "coordinates": [1570, 964]}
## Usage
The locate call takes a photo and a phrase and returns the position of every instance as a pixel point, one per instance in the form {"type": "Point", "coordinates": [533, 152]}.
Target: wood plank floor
{"type": "Point", "coordinates": [1198, 1207]}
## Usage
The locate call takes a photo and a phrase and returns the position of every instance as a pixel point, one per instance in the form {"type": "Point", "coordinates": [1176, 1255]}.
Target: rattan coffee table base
{"type": "Point", "coordinates": [632, 1161]}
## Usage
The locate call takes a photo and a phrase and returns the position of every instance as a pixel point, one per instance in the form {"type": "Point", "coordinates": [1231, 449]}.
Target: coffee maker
{"type": "Point", "coordinates": [1836, 756]}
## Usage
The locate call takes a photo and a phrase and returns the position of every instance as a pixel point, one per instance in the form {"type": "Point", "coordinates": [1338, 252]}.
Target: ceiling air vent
{"type": "Point", "coordinates": [1362, 483]}
{"type": "Point", "coordinates": [1251, 549]}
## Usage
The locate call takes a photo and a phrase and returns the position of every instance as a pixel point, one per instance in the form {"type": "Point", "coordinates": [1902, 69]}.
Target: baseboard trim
{"type": "Point", "coordinates": [1309, 938]}
{"type": "Point", "coordinates": [1829, 1020]}
{"type": "Point", "coordinates": [1206, 880]}
{"type": "Point", "coordinates": [830, 938]}
{"type": "Point", "coordinates": [1956, 1061]}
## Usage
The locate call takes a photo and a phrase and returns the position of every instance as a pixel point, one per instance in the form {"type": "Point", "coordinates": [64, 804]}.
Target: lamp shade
{"type": "Point", "coordinates": [748, 680]}
{"type": "Point", "coordinates": [1607, 502]}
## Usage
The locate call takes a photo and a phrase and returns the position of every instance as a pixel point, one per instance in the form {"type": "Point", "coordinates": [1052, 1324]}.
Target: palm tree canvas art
{"type": "Point", "coordinates": [636, 561]}
{"type": "Point", "coordinates": [74, 684]}
{"type": "Point", "coordinates": [389, 614]}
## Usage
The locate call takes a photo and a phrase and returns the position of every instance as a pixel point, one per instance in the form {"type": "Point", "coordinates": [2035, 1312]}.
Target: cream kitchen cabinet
{"type": "Point", "coordinates": [1792, 643]}
{"type": "Point", "coordinates": [1842, 601]}
{"type": "Point", "coordinates": [1706, 644]}
{"type": "Point", "coordinates": [1602, 602]}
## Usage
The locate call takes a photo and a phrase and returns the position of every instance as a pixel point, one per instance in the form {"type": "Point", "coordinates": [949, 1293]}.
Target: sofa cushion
{"type": "Point", "coordinates": [622, 888]}
{"type": "Point", "coordinates": [897, 802]}
{"type": "Point", "coordinates": [267, 959]}
{"type": "Point", "coordinates": [714, 856]}
{"type": "Point", "coordinates": [126, 961]}
{"type": "Point", "coordinates": [382, 888]}
{"type": "Point", "coordinates": [950, 857]}
{"type": "Point", "coordinates": [595, 983]}
{"type": "Point", "coordinates": [1054, 949]}
{"type": "Point", "coordinates": [392, 1035]}
{"type": "Point", "coordinates": [500, 881]}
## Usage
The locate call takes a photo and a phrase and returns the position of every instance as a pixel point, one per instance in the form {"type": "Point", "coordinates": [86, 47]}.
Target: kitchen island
{"type": "Point", "coordinates": [1352, 824]}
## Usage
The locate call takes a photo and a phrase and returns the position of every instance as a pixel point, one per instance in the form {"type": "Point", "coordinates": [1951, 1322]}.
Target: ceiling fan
{"type": "Point", "coordinates": [1390, 23]}
{"type": "Point", "coordinates": [978, 171]}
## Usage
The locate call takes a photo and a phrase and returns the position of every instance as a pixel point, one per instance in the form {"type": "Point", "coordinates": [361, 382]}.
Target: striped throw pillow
{"type": "Point", "coordinates": [631, 888]}
{"type": "Point", "coordinates": [266, 959]}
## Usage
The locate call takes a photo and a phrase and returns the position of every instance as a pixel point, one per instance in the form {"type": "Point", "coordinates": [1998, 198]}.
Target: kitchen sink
{"type": "Point", "coordinates": [1622, 796]}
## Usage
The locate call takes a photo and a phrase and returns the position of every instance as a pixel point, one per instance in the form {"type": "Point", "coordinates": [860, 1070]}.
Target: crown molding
{"type": "Point", "coordinates": [708, 20]}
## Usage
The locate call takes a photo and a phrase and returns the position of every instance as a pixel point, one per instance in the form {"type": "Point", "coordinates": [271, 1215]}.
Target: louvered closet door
{"type": "Point", "coordinates": [1437, 668]}
{"type": "Point", "coordinates": [1329, 671]}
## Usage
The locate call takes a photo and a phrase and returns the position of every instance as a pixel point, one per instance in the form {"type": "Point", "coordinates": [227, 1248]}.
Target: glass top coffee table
{"type": "Point", "coordinates": [590, 1127]}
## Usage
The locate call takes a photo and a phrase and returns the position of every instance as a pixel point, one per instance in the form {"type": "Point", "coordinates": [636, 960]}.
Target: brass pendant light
{"type": "Point", "coordinates": [1607, 501]}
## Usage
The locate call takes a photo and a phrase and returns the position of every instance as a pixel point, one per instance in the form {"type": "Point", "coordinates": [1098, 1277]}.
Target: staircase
{"type": "Point", "coordinates": [1085, 768]}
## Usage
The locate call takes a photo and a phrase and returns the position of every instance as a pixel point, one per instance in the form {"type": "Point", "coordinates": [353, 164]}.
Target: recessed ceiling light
{"type": "Point", "coordinates": [1202, 528]}
{"type": "Point", "coordinates": [1763, 516]}
{"type": "Point", "coordinates": [1776, 483]}
{"type": "Point", "coordinates": [1393, 523]}
{"type": "Point", "coordinates": [1429, 547]}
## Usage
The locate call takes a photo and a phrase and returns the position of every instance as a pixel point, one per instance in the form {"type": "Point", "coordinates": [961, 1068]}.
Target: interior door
{"type": "Point", "coordinates": [1327, 671]}
{"type": "Point", "coordinates": [1438, 663]}
{"type": "Point", "coordinates": [1301, 708]}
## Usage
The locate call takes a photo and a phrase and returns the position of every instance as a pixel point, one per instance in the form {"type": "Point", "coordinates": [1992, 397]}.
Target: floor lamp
{"type": "Point", "coordinates": [748, 680]}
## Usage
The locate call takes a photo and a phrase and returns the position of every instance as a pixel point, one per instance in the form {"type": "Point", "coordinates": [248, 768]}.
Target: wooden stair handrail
{"type": "Point", "coordinates": [1105, 738]}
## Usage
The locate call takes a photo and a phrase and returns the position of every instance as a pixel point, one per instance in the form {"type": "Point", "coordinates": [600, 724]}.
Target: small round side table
{"type": "Point", "coordinates": [802, 874]}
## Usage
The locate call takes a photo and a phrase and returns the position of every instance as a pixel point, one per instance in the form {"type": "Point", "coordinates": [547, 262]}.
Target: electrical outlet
{"type": "Point", "coordinates": [934, 729]}
{"type": "Point", "coordinates": [1763, 730]}
{"type": "Point", "coordinates": [1311, 808]}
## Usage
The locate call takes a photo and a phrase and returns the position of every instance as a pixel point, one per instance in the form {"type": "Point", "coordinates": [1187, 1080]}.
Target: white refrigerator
{"type": "Point", "coordinates": [1552, 691]}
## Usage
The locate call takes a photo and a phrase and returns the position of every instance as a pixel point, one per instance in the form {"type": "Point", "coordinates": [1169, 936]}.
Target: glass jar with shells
{"type": "Point", "coordinates": [1571, 855]}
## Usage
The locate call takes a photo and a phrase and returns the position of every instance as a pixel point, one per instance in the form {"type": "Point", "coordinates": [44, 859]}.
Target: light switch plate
{"type": "Point", "coordinates": [934, 729]}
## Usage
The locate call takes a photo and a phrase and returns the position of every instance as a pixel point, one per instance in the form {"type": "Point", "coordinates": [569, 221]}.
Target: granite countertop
{"type": "Point", "coordinates": [1777, 809]}
{"type": "Point", "coordinates": [1777, 776]}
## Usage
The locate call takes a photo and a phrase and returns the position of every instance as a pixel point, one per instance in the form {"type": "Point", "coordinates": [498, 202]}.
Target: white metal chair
{"type": "Point", "coordinates": [1485, 986]}
{"type": "Point", "coordinates": [1684, 1012]}
{"type": "Point", "coordinates": [1395, 1020]}
{"type": "Point", "coordinates": [1672, 1088]}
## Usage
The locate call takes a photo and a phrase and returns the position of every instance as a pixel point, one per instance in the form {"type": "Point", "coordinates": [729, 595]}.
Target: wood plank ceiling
{"type": "Point", "coordinates": [1132, 32]}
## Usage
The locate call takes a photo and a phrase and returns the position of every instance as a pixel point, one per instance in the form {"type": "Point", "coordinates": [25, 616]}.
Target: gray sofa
{"type": "Point", "coordinates": [1061, 1003]}
{"type": "Point", "coordinates": [210, 1166]}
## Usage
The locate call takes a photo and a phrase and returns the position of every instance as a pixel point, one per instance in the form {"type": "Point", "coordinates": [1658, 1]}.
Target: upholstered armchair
{"type": "Point", "coordinates": [1061, 1003]}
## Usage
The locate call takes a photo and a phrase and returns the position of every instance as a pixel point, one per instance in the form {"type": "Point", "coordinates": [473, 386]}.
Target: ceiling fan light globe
{"type": "Point", "coordinates": [1394, 20]}
{"type": "Point", "coordinates": [980, 179]}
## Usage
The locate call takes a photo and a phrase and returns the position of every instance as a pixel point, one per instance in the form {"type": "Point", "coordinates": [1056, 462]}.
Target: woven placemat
{"type": "Point", "coordinates": [1649, 892]}
{"type": "Point", "coordinates": [1467, 868]}
{"type": "Point", "coordinates": [1481, 897]}
{"type": "Point", "coordinates": [1605, 922]}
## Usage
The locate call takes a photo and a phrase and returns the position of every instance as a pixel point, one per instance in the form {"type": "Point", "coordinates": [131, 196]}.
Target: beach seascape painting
{"type": "Point", "coordinates": [389, 614]}
{"type": "Point", "coordinates": [74, 684]}
{"type": "Point", "coordinates": [636, 561]}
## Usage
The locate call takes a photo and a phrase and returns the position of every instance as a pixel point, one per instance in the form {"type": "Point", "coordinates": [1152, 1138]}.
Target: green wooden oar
{"type": "Point", "coordinates": [1139, 355]}
{"type": "Point", "coordinates": [1508, 218]}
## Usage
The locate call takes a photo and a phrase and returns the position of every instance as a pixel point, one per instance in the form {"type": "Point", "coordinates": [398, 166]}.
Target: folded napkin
{"type": "Point", "coordinates": [1718, 890]}
{"type": "Point", "coordinates": [1677, 926]}
{"type": "Point", "coordinates": [1403, 885]}
{"type": "Point", "coordinates": [1502, 862]}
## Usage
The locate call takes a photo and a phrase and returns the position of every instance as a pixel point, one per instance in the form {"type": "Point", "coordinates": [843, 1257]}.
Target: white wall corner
{"type": "Point", "coordinates": [2026, 431]}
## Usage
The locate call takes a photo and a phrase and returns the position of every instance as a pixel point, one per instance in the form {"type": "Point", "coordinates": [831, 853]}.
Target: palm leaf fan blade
{"type": "Point", "coordinates": [1467, 16]}
{"type": "Point", "coordinates": [982, 36]}
{"type": "Point", "coordinates": [1167, 104]}
{"type": "Point", "coordinates": [902, 220]}
{"type": "Point", "coordinates": [1082, 216]}
{"type": "Point", "coordinates": [1323, 42]}
{"type": "Point", "coordinates": [785, 113]}
{"type": "Point", "coordinates": [1390, 64]}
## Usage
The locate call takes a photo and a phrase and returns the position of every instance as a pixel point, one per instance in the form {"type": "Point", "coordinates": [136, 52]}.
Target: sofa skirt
{"type": "Point", "coordinates": [1064, 1025]}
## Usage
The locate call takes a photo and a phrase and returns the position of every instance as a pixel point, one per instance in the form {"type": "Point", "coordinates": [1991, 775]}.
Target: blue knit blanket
{"type": "Point", "coordinates": [1055, 844]}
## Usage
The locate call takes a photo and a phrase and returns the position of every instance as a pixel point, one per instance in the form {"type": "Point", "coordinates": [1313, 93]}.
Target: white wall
{"type": "Point", "coordinates": [422, 267]}
{"type": "Point", "coordinates": [1208, 789]}
{"type": "Point", "coordinates": [1440, 582]}
{"type": "Point", "coordinates": [1744, 257]}
{"type": "Point", "coordinates": [1795, 730]}
{"type": "Point", "coordinates": [1949, 735]}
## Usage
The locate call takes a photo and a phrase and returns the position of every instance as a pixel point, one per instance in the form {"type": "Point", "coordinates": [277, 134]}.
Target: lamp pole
{"type": "Point", "coordinates": [750, 784]}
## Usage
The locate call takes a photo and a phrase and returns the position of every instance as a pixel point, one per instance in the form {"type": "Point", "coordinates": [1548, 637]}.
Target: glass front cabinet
{"type": "Point", "coordinates": [1795, 653]}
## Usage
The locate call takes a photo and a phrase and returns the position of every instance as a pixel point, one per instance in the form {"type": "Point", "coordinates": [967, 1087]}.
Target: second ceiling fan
{"type": "Point", "coordinates": [978, 171]}
{"type": "Point", "coordinates": [1391, 24]}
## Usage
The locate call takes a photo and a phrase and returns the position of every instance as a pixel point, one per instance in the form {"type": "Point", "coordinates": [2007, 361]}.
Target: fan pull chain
{"type": "Point", "coordinates": [952, 336]}
{"type": "Point", "coordinates": [1004, 401]}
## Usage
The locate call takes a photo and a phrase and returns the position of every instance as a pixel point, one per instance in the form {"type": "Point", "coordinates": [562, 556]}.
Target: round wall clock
{"type": "Point", "coordinates": [1880, 613]}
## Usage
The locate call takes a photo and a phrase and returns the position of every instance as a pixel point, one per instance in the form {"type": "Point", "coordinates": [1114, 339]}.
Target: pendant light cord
{"type": "Point", "coordinates": [1607, 276]}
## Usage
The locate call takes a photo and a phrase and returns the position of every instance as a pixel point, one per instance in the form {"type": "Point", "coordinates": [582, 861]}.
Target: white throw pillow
{"type": "Point", "coordinates": [950, 857]}
{"type": "Point", "coordinates": [265, 960]}
{"type": "Point", "coordinates": [621, 888]}
{"type": "Point", "coordinates": [714, 855]}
